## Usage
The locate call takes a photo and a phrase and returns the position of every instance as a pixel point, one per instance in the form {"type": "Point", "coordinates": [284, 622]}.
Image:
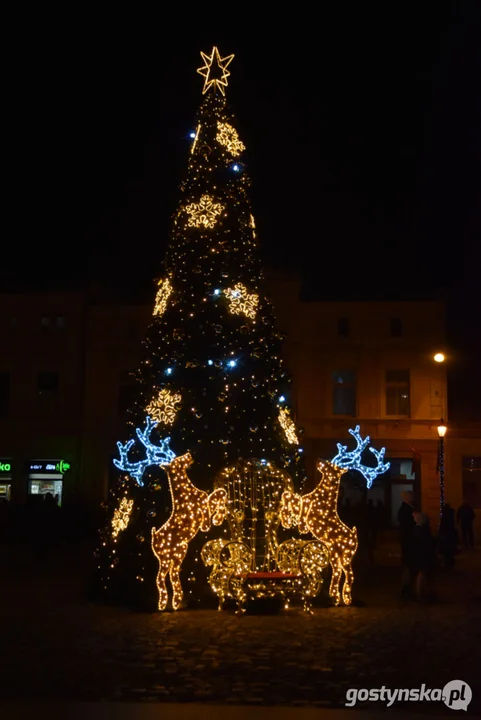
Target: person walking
{"type": "Point", "coordinates": [465, 518]}
{"type": "Point", "coordinates": [448, 536]}
{"type": "Point", "coordinates": [406, 526]}
{"type": "Point", "coordinates": [422, 555]}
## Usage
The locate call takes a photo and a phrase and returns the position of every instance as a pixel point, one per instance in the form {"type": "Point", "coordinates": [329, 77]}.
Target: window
{"type": "Point", "coordinates": [60, 322]}
{"type": "Point", "coordinates": [47, 384]}
{"type": "Point", "coordinates": [344, 393]}
{"type": "Point", "coordinates": [4, 393]}
{"type": "Point", "coordinates": [343, 327]}
{"type": "Point", "coordinates": [397, 392]}
{"type": "Point", "coordinates": [396, 327]}
{"type": "Point", "coordinates": [127, 391]}
{"type": "Point", "coordinates": [472, 480]}
{"type": "Point", "coordinates": [45, 323]}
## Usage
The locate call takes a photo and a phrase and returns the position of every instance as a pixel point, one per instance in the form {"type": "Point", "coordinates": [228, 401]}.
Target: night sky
{"type": "Point", "coordinates": [362, 128]}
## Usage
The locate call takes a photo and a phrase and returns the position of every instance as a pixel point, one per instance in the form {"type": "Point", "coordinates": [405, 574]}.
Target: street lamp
{"type": "Point", "coordinates": [442, 429]}
{"type": "Point", "coordinates": [439, 357]}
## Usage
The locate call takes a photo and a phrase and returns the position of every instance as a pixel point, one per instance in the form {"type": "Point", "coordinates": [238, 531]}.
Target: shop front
{"type": "Point", "coordinates": [5, 479]}
{"type": "Point", "coordinates": [47, 476]}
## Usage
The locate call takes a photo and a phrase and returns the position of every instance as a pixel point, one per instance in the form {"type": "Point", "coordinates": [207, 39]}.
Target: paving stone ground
{"type": "Point", "coordinates": [57, 646]}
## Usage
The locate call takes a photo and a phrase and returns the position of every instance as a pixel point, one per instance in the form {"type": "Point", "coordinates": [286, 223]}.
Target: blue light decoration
{"type": "Point", "coordinates": [236, 168]}
{"type": "Point", "coordinates": [352, 460]}
{"type": "Point", "coordinates": [282, 399]}
{"type": "Point", "coordinates": [232, 363]}
{"type": "Point", "coordinates": [217, 292]}
{"type": "Point", "coordinates": [168, 371]}
{"type": "Point", "coordinates": [192, 135]}
{"type": "Point", "coordinates": [210, 362]}
{"type": "Point", "coordinates": [156, 454]}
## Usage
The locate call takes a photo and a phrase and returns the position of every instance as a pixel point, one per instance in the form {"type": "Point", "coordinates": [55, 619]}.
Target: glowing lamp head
{"type": "Point", "coordinates": [439, 357]}
{"type": "Point", "coordinates": [442, 428]}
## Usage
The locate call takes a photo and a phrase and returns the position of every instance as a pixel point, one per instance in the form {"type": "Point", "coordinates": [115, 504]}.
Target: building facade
{"type": "Point", "coordinates": [65, 384]}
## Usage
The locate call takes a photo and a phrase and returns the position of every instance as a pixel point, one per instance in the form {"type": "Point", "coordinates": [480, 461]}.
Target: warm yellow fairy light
{"type": "Point", "coordinates": [228, 137]}
{"type": "Point", "coordinates": [204, 213]}
{"type": "Point", "coordinates": [240, 301]}
{"type": "Point", "coordinates": [192, 510]}
{"type": "Point", "coordinates": [316, 513]}
{"type": "Point", "coordinates": [253, 225]}
{"type": "Point", "coordinates": [164, 407]}
{"type": "Point", "coordinates": [195, 139]}
{"type": "Point", "coordinates": [121, 516]}
{"type": "Point", "coordinates": [215, 71]}
{"type": "Point", "coordinates": [288, 426]}
{"type": "Point", "coordinates": [163, 294]}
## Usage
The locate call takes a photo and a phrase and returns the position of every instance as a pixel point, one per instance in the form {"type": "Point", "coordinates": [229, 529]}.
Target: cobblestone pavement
{"type": "Point", "coordinates": [56, 646]}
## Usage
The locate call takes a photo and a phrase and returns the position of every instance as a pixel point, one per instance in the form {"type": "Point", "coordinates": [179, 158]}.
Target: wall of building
{"type": "Point", "coordinates": [459, 444]}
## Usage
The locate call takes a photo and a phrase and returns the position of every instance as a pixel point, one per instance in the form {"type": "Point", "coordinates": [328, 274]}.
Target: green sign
{"type": "Point", "coordinates": [62, 466]}
{"type": "Point", "coordinates": [5, 467]}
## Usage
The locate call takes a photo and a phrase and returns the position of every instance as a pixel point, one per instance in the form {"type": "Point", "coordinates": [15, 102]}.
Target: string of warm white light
{"type": "Point", "coordinates": [164, 407]}
{"type": "Point", "coordinates": [121, 516]}
{"type": "Point", "coordinates": [227, 136]}
{"type": "Point", "coordinates": [241, 301]}
{"type": "Point", "coordinates": [204, 213]}
{"type": "Point", "coordinates": [163, 294]}
{"type": "Point", "coordinates": [288, 426]}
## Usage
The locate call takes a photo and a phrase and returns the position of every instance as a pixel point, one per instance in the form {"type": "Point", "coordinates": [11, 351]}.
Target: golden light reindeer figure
{"type": "Point", "coordinates": [192, 510]}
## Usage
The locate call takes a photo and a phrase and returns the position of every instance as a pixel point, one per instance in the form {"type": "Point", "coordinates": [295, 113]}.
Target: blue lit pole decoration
{"type": "Point", "coordinates": [351, 460]}
{"type": "Point", "coordinates": [156, 454]}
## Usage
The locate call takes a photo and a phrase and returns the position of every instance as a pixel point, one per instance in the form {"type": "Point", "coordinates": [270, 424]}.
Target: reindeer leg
{"type": "Point", "coordinates": [177, 592]}
{"type": "Point", "coordinates": [334, 591]}
{"type": "Point", "coordinates": [348, 582]}
{"type": "Point", "coordinates": [161, 587]}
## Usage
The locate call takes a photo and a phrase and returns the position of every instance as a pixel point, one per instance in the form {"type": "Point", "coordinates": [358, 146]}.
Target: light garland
{"type": "Point", "coordinates": [288, 426]}
{"type": "Point", "coordinates": [192, 510]}
{"type": "Point", "coordinates": [352, 460]}
{"type": "Point", "coordinates": [163, 294]}
{"type": "Point", "coordinates": [317, 513]}
{"type": "Point", "coordinates": [252, 225]}
{"type": "Point", "coordinates": [210, 64]}
{"type": "Point", "coordinates": [121, 516]}
{"type": "Point", "coordinates": [156, 454]}
{"type": "Point", "coordinates": [196, 137]}
{"type": "Point", "coordinates": [164, 407]}
{"type": "Point", "coordinates": [228, 137]}
{"type": "Point", "coordinates": [240, 301]}
{"type": "Point", "coordinates": [204, 213]}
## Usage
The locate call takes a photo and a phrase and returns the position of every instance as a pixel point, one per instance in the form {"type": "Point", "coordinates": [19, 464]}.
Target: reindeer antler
{"type": "Point", "coordinates": [156, 454]}
{"type": "Point", "coordinates": [352, 460]}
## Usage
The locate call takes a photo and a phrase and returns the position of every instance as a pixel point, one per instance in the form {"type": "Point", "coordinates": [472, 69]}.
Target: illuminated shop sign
{"type": "Point", "coordinates": [46, 466]}
{"type": "Point", "coordinates": [5, 466]}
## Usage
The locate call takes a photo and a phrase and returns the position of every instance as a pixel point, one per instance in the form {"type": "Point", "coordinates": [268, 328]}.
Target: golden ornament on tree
{"type": "Point", "coordinates": [288, 426]}
{"type": "Point", "coordinates": [228, 137]}
{"type": "Point", "coordinates": [204, 213]}
{"type": "Point", "coordinates": [163, 294]}
{"type": "Point", "coordinates": [163, 408]}
{"type": "Point", "coordinates": [240, 301]}
{"type": "Point", "coordinates": [215, 71]}
{"type": "Point", "coordinates": [121, 516]}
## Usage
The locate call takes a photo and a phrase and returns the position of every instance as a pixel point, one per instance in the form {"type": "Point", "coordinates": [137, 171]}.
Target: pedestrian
{"type": "Point", "coordinates": [465, 518]}
{"type": "Point", "coordinates": [448, 536]}
{"type": "Point", "coordinates": [406, 526]}
{"type": "Point", "coordinates": [422, 555]}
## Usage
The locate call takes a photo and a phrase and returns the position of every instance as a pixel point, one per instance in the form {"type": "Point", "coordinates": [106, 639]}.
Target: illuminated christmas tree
{"type": "Point", "coordinates": [212, 382]}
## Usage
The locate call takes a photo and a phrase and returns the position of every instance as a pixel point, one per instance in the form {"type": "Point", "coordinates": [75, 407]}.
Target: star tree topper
{"type": "Point", "coordinates": [215, 70]}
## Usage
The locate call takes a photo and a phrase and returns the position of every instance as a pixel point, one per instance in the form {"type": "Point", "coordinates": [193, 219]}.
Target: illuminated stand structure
{"type": "Point", "coordinates": [212, 445]}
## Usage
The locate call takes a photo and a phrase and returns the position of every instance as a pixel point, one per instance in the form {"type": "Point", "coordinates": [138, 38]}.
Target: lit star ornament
{"type": "Point", "coordinates": [164, 408]}
{"type": "Point", "coordinates": [204, 213]}
{"type": "Point", "coordinates": [215, 71]}
{"type": "Point", "coordinates": [240, 301]}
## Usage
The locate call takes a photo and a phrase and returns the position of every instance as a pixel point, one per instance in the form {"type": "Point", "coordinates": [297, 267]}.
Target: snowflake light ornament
{"type": "Point", "coordinates": [204, 213]}
{"type": "Point", "coordinates": [163, 294]}
{"type": "Point", "coordinates": [228, 137]}
{"type": "Point", "coordinates": [240, 301]}
{"type": "Point", "coordinates": [121, 516]}
{"type": "Point", "coordinates": [288, 426]}
{"type": "Point", "coordinates": [163, 408]}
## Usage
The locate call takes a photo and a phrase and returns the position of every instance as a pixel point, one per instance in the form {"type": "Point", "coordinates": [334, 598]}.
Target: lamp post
{"type": "Point", "coordinates": [442, 429]}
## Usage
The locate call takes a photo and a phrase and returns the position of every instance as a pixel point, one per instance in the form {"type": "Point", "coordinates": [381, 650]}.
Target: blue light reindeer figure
{"type": "Point", "coordinates": [156, 454]}
{"type": "Point", "coordinates": [352, 460]}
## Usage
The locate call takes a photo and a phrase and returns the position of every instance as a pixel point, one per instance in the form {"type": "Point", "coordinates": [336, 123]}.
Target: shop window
{"type": "Point", "coordinates": [47, 384]}
{"type": "Point", "coordinates": [397, 392]}
{"type": "Point", "coordinates": [472, 481]}
{"type": "Point", "coordinates": [344, 393]}
{"type": "Point", "coordinates": [396, 328]}
{"type": "Point", "coordinates": [4, 393]}
{"type": "Point", "coordinates": [127, 391]}
{"type": "Point", "coordinates": [45, 323]}
{"type": "Point", "coordinates": [343, 327]}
